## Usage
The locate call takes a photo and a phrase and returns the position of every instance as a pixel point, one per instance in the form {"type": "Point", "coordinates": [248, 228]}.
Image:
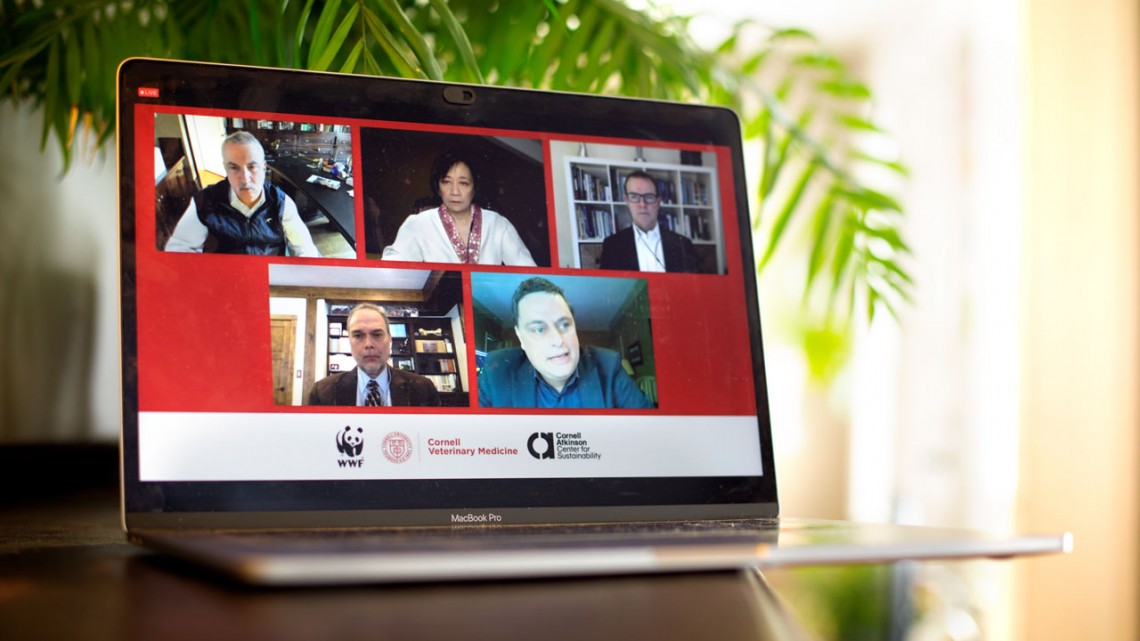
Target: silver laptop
{"type": "Point", "coordinates": [384, 330]}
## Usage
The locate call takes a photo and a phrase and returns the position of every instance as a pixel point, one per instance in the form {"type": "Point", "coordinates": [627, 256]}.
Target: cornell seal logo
{"type": "Point", "coordinates": [397, 447]}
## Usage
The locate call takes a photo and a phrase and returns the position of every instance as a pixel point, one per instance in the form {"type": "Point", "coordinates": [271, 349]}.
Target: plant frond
{"type": "Point", "coordinates": [810, 114]}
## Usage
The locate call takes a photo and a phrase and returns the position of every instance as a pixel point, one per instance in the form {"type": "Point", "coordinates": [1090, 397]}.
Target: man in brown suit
{"type": "Point", "coordinates": [372, 382]}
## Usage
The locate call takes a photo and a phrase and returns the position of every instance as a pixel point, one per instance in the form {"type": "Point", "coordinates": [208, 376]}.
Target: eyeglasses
{"type": "Point", "coordinates": [635, 197]}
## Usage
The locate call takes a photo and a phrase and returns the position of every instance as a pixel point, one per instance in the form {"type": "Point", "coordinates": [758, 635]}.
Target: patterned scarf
{"type": "Point", "coordinates": [469, 253]}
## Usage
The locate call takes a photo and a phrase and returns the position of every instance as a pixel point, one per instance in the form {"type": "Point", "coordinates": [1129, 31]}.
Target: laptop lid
{"type": "Point", "coordinates": [553, 294]}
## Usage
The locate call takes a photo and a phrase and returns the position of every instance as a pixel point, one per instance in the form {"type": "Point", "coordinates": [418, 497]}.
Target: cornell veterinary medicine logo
{"type": "Point", "coordinates": [397, 447]}
{"type": "Point", "coordinates": [350, 443]}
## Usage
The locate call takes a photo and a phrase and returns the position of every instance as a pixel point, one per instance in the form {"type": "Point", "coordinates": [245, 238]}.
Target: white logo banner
{"type": "Point", "coordinates": [186, 446]}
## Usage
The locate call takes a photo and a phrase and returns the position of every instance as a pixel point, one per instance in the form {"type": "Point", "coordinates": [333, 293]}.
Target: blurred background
{"type": "Point", "coordinates": [1004, 397]}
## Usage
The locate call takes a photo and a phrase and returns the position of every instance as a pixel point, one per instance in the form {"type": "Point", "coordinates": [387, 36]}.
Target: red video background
{"type": "Point", "coordinates": [203, 330]}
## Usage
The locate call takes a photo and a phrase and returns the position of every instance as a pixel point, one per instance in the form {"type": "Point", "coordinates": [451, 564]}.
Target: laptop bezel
{"type": "Point", "coordinates": [304, 504]}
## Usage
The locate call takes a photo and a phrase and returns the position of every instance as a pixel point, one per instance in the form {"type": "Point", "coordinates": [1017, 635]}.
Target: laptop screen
{"type": "Point", "coordinates": [355, 294]}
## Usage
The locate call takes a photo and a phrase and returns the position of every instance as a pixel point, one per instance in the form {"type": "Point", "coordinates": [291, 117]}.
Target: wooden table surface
{"type": "Point", "coordinates": [67, 572]}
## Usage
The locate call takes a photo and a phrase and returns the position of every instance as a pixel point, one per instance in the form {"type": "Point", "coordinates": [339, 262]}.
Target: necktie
{"type": "Point", "coordinates": [372, 399]}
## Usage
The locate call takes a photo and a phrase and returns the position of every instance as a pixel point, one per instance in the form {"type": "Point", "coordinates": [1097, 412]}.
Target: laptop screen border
{"type": "Point", "coordinates": [426, 502]}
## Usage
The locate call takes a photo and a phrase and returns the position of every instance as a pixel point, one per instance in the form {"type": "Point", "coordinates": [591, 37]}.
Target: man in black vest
{"type": "Point", "coordinates": [242, 215]}
{"type": "Point", "coordinates": [646, 246]}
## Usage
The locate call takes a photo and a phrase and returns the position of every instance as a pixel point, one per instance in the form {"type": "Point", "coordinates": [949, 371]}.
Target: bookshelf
{"type": "Point", "coordinates": [433, 353]}
{"type": "Point", "coordinates": [690, 205]}
{"type": "Point", "coordinates": [328, 142]}
{"type": "Point", "coordinates": [421, 344]}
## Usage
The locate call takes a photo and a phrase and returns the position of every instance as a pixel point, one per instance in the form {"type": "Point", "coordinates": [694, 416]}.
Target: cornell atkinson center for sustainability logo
{"type": "Point", "coordinates": [560, 445]}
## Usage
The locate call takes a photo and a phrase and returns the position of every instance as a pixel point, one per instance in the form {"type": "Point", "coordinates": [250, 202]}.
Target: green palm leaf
{"type": "Point", "coordinates": [792, 93]}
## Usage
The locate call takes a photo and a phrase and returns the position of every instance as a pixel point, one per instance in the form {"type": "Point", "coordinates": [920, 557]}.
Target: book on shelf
{"type": "Point", "coordinates": [594, 223]}
{"type": "Point", "coordinates": [666, 192]}
{"type": "Point", "coordinates": [619, 176]}
{"type": "Point", "coordinates": [434, 346]}
{"type": "Point", "coordinates": [694, 192]}
{"type": "Point", "coordinates": [588, 186]}
{"type": "Point", "coordinates": [694, 226]}
{"type": "Point", "coordinates": [341, 362]}
{"type": "Point", "coordinates": [581, 214]}
{"type": "Point", "coordinates": [697, 227]}
{"type": "Point", "coordinates": [443, 382]}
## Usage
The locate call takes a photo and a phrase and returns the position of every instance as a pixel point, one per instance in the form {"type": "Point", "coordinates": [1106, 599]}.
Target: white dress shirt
{"type": "Point", "coordinates": [422, 238]}
{"type": "Point", "coordinates": [650, 256]}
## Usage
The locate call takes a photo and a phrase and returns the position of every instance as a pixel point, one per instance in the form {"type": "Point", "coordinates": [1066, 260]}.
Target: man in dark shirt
{"type": "Point", "coordinates": [551, 370]}
{"type": "Point", "coordinates": [372, 382]}
{"type": "Point", "coordinates": [646, 246]}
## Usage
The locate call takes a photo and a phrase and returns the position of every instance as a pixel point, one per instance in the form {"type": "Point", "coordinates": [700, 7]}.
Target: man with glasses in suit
{"type": "Point", "coordinates": [646, 246]}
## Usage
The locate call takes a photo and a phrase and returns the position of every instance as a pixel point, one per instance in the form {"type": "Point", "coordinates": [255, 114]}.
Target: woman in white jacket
{"type": "Point", "coordinates": [458, 231]}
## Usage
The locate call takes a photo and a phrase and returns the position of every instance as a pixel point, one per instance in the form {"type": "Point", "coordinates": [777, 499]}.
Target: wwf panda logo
{"type": "Point", "coordinates": [349, 441]}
